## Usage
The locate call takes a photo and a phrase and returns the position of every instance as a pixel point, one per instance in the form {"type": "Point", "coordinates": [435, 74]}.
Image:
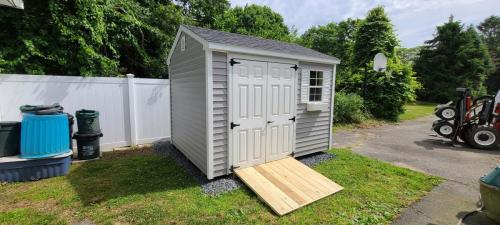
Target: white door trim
{"type": "Point", "coordinates": [230, 56]}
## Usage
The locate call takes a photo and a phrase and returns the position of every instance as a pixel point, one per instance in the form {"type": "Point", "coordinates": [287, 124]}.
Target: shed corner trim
{"type": "Point", "coordinates": [209, 111]}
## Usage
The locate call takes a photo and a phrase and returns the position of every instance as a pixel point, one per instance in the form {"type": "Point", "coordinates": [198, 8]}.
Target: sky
{"type": "Point", "coordinates": [414, 20]}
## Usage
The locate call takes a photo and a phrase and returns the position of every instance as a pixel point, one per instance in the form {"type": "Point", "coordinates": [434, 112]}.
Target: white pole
{"type": "Point", "coordinates": [132, 113]}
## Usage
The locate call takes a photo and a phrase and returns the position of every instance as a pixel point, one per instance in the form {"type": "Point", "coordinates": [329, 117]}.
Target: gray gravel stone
{"type": "Point", "coordinates": [316, 158]}
{"type": "Point", "coordinates": [222, 184]}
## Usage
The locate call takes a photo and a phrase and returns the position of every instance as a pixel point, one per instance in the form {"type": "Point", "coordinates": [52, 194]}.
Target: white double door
{"type": "Point", "coordinates": [263, 108]}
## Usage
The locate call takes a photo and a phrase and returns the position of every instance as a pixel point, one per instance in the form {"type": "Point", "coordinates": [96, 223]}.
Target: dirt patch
{"type": "Point", "coordinates": [47, 205]}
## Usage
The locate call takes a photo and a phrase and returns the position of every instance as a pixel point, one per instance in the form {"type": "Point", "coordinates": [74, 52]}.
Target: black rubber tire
{"type": "Point", "coordinates": [444, 113]}
{"type": "Point", "coordinates": [449, 126]}
{"type": "Point", "coordinates": [489, 132]}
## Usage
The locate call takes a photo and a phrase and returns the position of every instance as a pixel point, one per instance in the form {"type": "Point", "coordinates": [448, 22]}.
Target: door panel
{"type": "Point", "coordinates": [281, 83]}
{"type": "Point", "coordinates": [249, 111]}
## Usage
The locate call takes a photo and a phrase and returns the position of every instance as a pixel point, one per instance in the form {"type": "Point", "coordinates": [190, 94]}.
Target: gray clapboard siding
{"type": "Point", "coordinates": [219, 70]}
{"type": "Point", "coordinates": [313, 128]}
{"type": "Point", "coordinates": [188, 96]}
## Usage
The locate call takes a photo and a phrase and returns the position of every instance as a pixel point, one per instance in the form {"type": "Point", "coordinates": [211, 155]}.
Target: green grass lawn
{"type": "Point", "coordinates": [412, 111]}
{"type": "Point", "coordinates": [417, 110]}
{"type": "Point", "coordinates": [142, 188]}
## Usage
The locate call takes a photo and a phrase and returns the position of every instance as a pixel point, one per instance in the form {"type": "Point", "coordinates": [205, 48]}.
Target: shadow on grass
{"type": "Point", "coordinates": [120, 174]}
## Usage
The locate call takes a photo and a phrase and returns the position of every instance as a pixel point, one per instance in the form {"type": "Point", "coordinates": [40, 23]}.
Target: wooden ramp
{"type": "Point", "coordinates": [287, 184]}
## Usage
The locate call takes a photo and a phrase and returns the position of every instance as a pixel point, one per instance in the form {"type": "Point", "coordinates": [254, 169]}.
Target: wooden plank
{"type": "Point", "coordinates": [310, 174]}
{"type": "Point", "coordinates": [271, 195]}
{"type": "Point", "coordinates": [286, 185]}
{"type": "Point", "coordinates": [299, 182]}
{"type": "Point", "coordinates": [281, 183]}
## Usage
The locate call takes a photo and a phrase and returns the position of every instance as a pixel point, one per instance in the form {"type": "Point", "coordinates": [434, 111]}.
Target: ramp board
{"type": "Point", "coordinates": [287, 184]}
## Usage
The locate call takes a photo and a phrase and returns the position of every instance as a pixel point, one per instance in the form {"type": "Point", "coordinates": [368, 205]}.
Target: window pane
{"type": "Point", "coordinates": [312, 74]}
{"type": "Point", "coordinates": [319, 76]}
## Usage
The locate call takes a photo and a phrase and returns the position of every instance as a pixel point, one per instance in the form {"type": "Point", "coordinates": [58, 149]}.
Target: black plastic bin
{"type": "Point", "coordinates": [88, 121]}
{"type": "Point", "coordinates": [88, 145]}
{"type": "Point", "coordinates": [10, 138]}
{"type": "Point", "coordinates": [71, 121]}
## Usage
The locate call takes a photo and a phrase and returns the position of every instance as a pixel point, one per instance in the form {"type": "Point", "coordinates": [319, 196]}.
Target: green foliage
{"type": "Point", "coordinates": [385, 93]}
{"type": "Point", "coordinates": [374, 35]}
{"type": "Point", "coordinates": [204, 12]}
{"type": "Point", "coordinates": [490, 32]}
{"type": "Point", "coordinates": [408, 55]}
{"type": "Point", "coordinates": [349, 108]}
{"type": "Point", "coordinates": [335, 40]}
{"type": "Point", "coordinates": [456, 57]}
{"type": "Point", "coordinates": [255, 20]}
{"type": "Point", "coordinates": [106, 38]}
{"type": "Point", "coordinates": [388, 92]}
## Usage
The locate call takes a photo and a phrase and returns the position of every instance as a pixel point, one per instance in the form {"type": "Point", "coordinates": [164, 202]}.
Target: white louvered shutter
{"type": "Point", "coordinates": [304, 85]}
{"type": "Point", "coordinates": [327, 79]}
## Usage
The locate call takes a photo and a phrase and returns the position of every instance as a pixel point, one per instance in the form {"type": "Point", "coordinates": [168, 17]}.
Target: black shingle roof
{"type": "Point", "coordinates": [220, 37]}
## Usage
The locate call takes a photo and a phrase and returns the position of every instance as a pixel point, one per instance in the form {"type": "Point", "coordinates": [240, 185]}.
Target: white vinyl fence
{"type": "Point", "coordinates": [132, 110]}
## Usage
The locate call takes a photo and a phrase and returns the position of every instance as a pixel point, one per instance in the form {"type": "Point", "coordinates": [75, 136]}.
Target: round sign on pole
{"type": "Point", "coordinates": [380, 62]}
{"type": "Point", "coordinates": [19, 4]}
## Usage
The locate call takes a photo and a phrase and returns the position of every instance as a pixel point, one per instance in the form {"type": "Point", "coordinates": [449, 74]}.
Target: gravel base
{"type": "Point", "coordinates": [316, 158]}
{"type": "Point", "coordinates": [213, 187]}
{"type": "Point", "coordinates": [222, 184]}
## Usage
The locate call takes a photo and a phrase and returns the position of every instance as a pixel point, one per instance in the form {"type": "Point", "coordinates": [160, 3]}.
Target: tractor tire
{"type": "Point", "coordinates": [446, 113]}
{"type": "Point", "coordinates": [444, 128]}
{"type": "Point", "coordinates": [483, 137]}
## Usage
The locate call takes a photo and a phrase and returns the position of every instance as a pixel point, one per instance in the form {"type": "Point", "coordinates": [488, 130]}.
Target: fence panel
{"type": "Point", "coordinates": [110, 96]}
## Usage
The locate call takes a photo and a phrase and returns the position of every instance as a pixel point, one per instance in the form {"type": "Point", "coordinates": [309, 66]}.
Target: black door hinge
{"type": "Point", "coordinates": [232, 62]}
{"type": "Point", "coordinates": [295, 67]}
{"type": "Point", "coordinates": [233, 125]}
{"type": "Point", "coordinates": [292, 119]}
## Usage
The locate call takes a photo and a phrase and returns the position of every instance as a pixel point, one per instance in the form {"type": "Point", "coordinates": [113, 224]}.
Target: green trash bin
{"type": "Point", "coordinates": [88, 145]}
{"type": "Point", "coordinates": [88, 121]}
{"type": "Point", "coordinates": [10, 138]}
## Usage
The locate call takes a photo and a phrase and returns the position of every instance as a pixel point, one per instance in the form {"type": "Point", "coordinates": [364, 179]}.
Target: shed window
{"type": "Point", "coordinates": [183, 43]}
{"type": "Point", "coordinates": [315, 85]}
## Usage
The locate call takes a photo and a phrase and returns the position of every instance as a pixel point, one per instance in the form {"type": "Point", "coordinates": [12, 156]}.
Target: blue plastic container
{"type": "Point", "coordinates": [44, 136]}
{"type": "Point", "coordinates": [493, 178]}
{"type": "Point", "coordinates": [15, 169]}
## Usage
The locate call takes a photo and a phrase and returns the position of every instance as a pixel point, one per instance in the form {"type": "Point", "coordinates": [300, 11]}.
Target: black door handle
{"type": "Point", "coordinates": [270, 121]}
{"type": "Point", "coordinates": [293, 119]}
{"type": "Point", "coordinates": [233, 125]}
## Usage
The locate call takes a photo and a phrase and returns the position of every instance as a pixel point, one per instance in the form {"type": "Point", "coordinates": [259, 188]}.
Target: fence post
{"type": "Point", "coordinates": [131, 105]}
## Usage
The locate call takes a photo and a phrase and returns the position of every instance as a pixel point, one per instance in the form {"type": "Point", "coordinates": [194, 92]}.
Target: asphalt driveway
{"type": "Point", "coordinates": [413, 145]}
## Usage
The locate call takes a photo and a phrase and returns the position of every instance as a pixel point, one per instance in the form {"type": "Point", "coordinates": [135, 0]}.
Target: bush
{"type": "Point", "coordinates": [388, 92]}
{"type": "Point", "coordinates": [349, 108]}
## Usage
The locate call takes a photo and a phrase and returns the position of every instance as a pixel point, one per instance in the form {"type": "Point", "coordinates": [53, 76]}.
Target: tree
{"type": "Point", "coordinates": [490, 31]}
{"type": "Point", "coordinates": [385, 93]}
{"type": "Point", "coordinates": [455, 57]}
{"type": "Point", "coordinates": [255, 20]}
{"type": "Point", "coordinates": [204, 12]}
{"type": "Point", "coordinates": [408, 55]}
{"type": "Point", "coordinates": [374, 35]}
{"type": "Point", "coordinates": [87, 38]}
{"type": "Point", "coordinates": [335, 40]}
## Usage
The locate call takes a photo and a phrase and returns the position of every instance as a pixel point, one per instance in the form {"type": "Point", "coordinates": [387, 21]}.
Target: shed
{"type": "Point", "coordinates": [239, 101]}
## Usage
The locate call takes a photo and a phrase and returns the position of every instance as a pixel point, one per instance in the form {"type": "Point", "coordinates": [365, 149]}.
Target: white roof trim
{"type": "Point", "coordinates": [178, 37]}
{"type": "Point", "coordinates": [246, 50]}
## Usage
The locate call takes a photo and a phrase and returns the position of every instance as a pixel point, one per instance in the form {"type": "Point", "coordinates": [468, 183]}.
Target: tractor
{"type": "Point", "coordinates": [475, 122]}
